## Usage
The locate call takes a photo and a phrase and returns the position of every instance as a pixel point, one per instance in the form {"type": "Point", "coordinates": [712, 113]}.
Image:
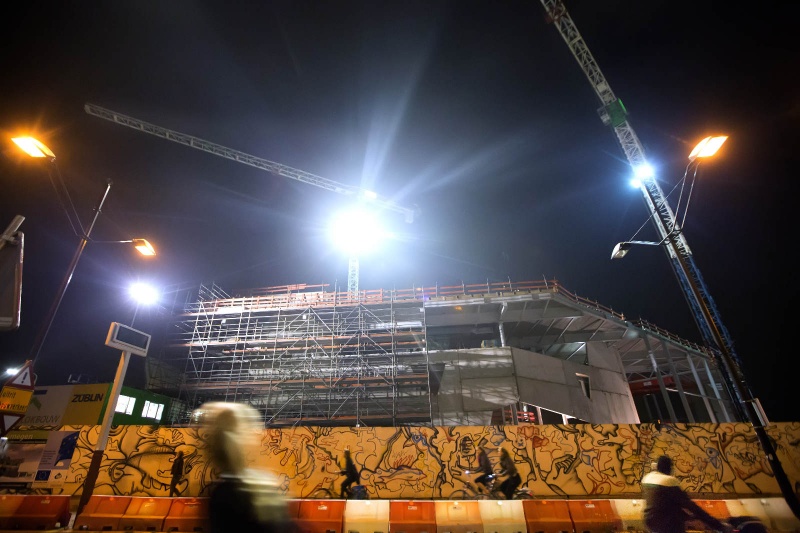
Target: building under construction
{"type": "Point", "coordinates": [492, 353]}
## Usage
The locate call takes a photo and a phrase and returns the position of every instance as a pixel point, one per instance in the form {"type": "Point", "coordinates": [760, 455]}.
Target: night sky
{"type": "Point", "coordinates": [474, 111]}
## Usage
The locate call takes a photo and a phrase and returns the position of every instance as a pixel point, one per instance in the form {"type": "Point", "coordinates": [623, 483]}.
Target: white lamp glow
{"type": "Point", "coordinates": [356, 231]}
{"type": "Point", "coordinates": [143, 293]}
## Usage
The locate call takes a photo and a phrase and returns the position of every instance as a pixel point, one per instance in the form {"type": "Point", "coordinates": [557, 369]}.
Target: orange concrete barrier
{"type": "Point", "coordinates": [294, 508]}
{"type": "Point", "coordinates": [739, 508]}
{"type": "Point", "coordinates": [594, 516]}
{"type": "Point", "coordinates": [503, 516]}
{"type": "Point", "coordinates": [366, 516]}
{"type": "Point", "coordinates": [145, 514]}
{"type": "Point", "coordinates": [42, 512]}
{"type": "Point", "coordinates": [547, 516]}
{"type": "Point", "coordinates": [631, 512]}
{"type": "Point", "coordinates": [716, 508]}
{"type": "Point", "coordinates": [320, 516]}
{"type": "Point", "coordinates": [774, 512]}
{"type": "Point", "coordinates": [410, 516]}
{"type": "Point", "coordinates": [102, 513]}
{"type": "Point", "coordinates": [458, 516]}
{"type": "Point", "coordinates": [187, 514]}
{"type": "Point", "coordinates": [8, 508]}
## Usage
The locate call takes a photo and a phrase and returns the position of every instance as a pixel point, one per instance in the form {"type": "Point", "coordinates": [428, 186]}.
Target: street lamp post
{"type": "Point", "coordinates": [51, 314]}
{"type": "Point", "coordinates": [731, 370]}
{"type": "Point", "coordinates": [37, 149]}
{"type": "Point", "coordinates": [131, 341]}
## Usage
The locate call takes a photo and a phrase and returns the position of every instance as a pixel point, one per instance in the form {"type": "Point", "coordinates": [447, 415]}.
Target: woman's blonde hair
{"type": "Point", "coordinates": [229, 429]}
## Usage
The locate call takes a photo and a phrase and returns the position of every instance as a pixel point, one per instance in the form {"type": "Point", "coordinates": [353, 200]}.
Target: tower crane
{"type": "Point", "coordinates": [613, 113]}
{"type": "Point", "coordinates": [704, 310]}
{"type": "Point", "coordinates": [276, 168]}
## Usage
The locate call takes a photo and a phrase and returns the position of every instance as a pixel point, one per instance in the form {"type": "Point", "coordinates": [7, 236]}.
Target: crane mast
{"type": "Point", "coordinates": [247, 159]}
{"type": "Point", "coordinates": [704, 310]}
{"type": "Point", "coordinates": [613, 114]}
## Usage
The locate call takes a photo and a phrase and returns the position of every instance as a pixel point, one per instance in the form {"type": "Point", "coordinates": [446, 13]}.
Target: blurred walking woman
{"type": "Point", "coordinates": [242, 499]}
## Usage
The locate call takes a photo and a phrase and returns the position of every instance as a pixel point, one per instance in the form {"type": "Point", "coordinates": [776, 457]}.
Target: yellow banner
{"type": "Point", "coordinates": [14, 400]}
{"type": "Point", "coordinates": [86, 404]}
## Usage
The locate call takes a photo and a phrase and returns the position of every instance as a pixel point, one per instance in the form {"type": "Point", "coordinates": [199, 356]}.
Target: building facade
{"type": "Point", "coordinates": [483, 354]}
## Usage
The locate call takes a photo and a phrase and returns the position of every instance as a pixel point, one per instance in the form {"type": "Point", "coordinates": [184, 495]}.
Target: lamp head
{"type": "Point", "coordinates": [33, 147]}
{"type": "Point", "coordinates": [707, 147]}
{"type": "Point", "coordinates": [621, 250]}
{"type": "Point", "coordinates": [143, 247]}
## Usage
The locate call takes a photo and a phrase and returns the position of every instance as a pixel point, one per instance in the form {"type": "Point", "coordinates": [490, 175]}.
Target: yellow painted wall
{"type": "Point", "coordinates": [586, 460]}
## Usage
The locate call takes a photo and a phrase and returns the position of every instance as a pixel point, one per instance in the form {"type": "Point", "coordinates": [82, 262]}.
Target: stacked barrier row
{"type": "Point", "coordinates": [182, 514]}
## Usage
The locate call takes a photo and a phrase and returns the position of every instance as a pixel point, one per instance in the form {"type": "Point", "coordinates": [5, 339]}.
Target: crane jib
{"type": "Point", "coordinates": [251, 160]}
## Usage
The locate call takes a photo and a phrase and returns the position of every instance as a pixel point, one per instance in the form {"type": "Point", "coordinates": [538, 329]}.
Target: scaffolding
{"type": "Point", "coordinates": [302, 353]}
{"type": "Point", "coordinates": [308, 355]}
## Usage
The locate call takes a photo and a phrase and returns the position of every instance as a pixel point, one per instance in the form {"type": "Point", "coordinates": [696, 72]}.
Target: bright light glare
{"type": "Point", "coordinates": [143, 293]}
{"type": "Point", "coordinates": [12, 371]}
{"type": "Point", "coordinates": [644, 171]}
{"type": "Point", "coordinates": [356, 231]}
{"type": "Point", "coordinates": [707, 147]}
{"type": "Point", "coordinates": [32, 147]}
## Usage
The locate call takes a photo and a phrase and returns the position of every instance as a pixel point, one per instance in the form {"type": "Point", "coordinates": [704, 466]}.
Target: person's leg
{"type": "Point", "coordinates": [350, 482]}
{"type": "Point", "coordinates": [503, 486]}
{"type": "Point", "coordinates": [345, 486]}
{"type": "Point", "coordinates": [513, 483]}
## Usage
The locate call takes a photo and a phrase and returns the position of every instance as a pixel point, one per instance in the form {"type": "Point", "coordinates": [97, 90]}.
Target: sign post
{"type": "Point", "coordinates": [15, 397]}
{"type": "Point", "coordinates": [12, 244]}
{"type": "Point", "coordinates": [130, 341]}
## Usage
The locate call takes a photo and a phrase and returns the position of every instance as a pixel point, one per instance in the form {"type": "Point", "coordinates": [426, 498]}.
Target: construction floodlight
{"type": "Point", "coordinates": [356, 231]}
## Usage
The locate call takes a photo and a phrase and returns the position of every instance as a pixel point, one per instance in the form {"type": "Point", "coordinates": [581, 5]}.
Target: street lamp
{"type": "Point", "coordinates": [621, 249]}
{"type": "Point", "coordinates": [731, 370]}
{"type": "Point", "coordinates": [37, 149]}
{"type": "Point", "coordinates": [708, 147]}
{"type": "Point", "coordinates": [142, 294]}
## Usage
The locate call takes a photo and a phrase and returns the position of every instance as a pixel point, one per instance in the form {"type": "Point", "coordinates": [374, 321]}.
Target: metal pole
{"type": "Point", "coordinates": [48, 322]}
{"type": "Point", "coordinates": [735, 378]}
{"type": "Point", "coordinates": [105, 428]}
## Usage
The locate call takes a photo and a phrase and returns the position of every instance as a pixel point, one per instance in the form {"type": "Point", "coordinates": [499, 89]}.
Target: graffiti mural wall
{"type": "Point", "coordinates": [435, 462]}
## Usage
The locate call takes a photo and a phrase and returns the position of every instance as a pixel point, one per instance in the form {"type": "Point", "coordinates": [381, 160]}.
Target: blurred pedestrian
{"type": "Point", "coordinates": [350, 470]}
{"type": "Point", "coordinates": [177, 474]}
{"type": "Point", "coordinates": [508, 469]}
{"type": "Point", "coordinates": [242, 499]}
{"type": "Point", "coordinates": [667, 507]}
